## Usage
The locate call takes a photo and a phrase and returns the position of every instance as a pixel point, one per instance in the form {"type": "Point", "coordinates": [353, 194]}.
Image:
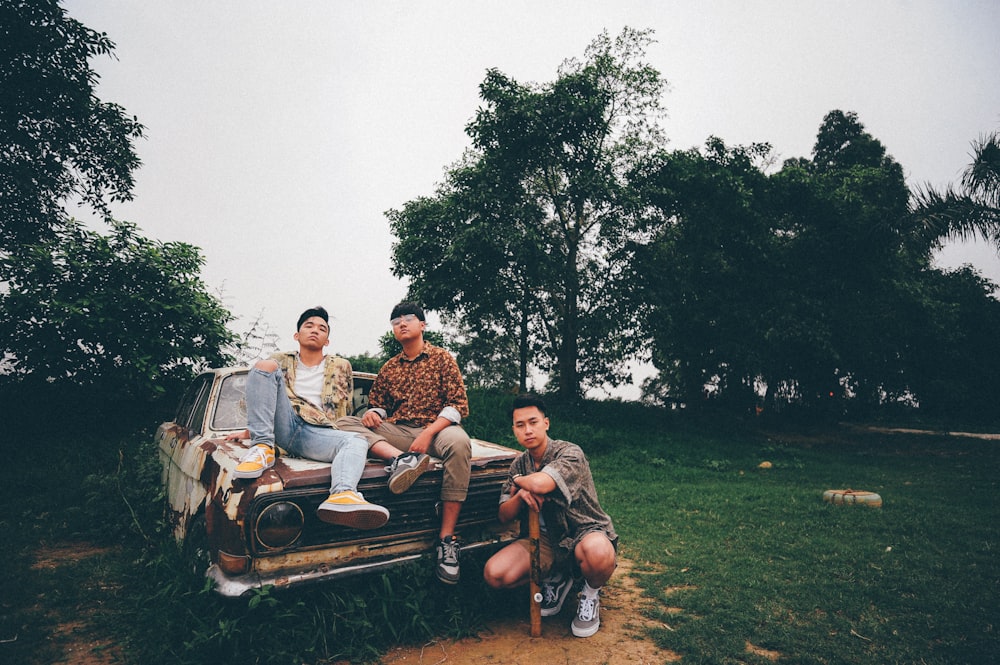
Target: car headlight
{"type": "Point", "coordinates": [279, 525]}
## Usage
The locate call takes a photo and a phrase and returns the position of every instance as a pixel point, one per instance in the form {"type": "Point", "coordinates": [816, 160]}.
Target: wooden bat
{"type": "Point", "coordinates": [536, 574]}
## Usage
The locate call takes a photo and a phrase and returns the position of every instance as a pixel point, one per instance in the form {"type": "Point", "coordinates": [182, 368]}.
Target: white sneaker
{"type": "Point", "coordinates": [588, 616]}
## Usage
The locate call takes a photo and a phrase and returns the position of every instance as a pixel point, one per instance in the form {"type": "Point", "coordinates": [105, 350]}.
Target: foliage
{"type": "Point", "coordinates": [86, 319]}
{"type": "Point", "coordinates": [258, 341]}
{"type": "Point", "coordinates": [536, 219]}
{"type": "Point", "coordinates": [57, 139]}
{"type": "Point", "coordinates": [966, 212]}
{"type": "Point", "coordinates": [118, 316]}
{"type": "Point", "coordinates": [812, 283]}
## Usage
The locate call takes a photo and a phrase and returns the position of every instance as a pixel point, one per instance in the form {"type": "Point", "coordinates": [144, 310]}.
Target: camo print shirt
{"type": "Point", "coordinates": [338, 384]}
{"type": "Point", "coordinates": [415, 392]}
{"type": "Point", "coordinates": [571, 510]}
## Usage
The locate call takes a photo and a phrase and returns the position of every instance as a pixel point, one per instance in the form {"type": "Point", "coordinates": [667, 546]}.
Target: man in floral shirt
{"type": "Point", "coordinates": [293, 400]}
{"type": "Point", "coordinates": [416, 406]}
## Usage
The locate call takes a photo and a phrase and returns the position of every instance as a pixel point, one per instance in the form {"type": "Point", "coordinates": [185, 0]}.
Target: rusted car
{"type": "Point", "coordinates": [265, 531]}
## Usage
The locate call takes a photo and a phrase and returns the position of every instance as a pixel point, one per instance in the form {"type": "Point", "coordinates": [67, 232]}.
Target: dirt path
{"type": "Point", "coordinates": [621, 638]}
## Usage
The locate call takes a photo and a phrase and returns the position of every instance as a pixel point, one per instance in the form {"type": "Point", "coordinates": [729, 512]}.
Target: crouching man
{"type": "Point", "coordinates": [553, 478]}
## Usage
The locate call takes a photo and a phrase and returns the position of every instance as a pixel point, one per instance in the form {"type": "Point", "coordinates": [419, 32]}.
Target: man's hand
{"type": "Point", "coordinates": [371, 419]}
{"type": "Point", "coordinates": [238, 436]}
{"type": "Point", "coordinates": [421, 443]}
{"type": "Point", "coordinates": [530, 499]}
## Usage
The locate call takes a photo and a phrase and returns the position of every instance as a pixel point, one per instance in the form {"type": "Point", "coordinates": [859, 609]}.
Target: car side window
{"type": "Point", "coordinates": [191, 412]}
{"type": "Point", "coordinates": [231, 409]}
{"type": "Point", "coordinates": [359, 400]}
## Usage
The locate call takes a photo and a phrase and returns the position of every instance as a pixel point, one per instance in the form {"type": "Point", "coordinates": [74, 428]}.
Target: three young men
{"type": "Point", "coordinates": [553, 478]}
{"type": "Point", "coordinates": [299, 400]}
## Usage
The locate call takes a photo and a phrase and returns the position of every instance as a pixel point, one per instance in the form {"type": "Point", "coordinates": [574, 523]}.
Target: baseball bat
{"type": "Point", "coordinates": [536, 574]}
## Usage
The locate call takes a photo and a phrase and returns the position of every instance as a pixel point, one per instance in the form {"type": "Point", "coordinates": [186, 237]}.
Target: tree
{"type": "Point", "coordinates": [969, 211]}
{"type": "Point", "coordinates": [119, 314]}
{"type": "Point", "coordinates": [788, 280]}
{"type": "Point", "coordinates": [529, 237]}
{"type": "Point", "coordinates": [710, 284]}
{"type": "Point", "coordinates": [89, 321]}
{"type": "Point", "coordinates": [58, 141]}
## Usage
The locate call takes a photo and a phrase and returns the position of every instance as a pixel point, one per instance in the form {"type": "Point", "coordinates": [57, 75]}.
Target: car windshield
{"type": "Point", "coordinates": [231, 411]}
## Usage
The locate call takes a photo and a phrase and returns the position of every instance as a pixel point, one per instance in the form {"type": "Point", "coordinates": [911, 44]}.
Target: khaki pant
{"type": "Point", "coordinates": [452, 446]}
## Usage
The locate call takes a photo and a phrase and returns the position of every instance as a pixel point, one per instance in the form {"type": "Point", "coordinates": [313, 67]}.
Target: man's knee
{"type": "Point", "coordinates": [454, 442]}
{"type": "Point", "coordinates": [266, 365]}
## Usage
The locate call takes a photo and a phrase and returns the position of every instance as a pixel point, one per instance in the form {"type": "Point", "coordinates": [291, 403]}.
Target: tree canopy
{"type": "Point", "coordinates": [528, 238]}
{"type": "Point", "coordinates": [812, 283]}
{"type": "Point", "coordinates": [87, 318]}
{"type": "Point", "coordinates": [568, 239]}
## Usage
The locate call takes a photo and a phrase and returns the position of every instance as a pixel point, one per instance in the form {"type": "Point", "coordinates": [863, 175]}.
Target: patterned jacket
{"type": "Point", "coordinates": [338, 385]}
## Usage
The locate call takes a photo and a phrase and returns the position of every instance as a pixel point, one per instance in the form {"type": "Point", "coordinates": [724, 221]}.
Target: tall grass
{"type": "Point", "coordinates": [729, 553]}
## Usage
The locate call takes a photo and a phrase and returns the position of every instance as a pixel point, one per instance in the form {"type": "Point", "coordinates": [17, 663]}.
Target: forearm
{"type": "Point", "coordinates": [537, 483]}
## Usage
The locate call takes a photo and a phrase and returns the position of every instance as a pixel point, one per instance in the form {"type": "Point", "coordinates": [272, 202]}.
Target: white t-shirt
{"type": "Point", "coordinates": [309, 382]}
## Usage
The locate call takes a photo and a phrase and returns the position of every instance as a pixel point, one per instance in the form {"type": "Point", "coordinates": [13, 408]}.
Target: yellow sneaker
{"type": "Point", "coordinates": [256, 460]}
{"type": "Point", "coordinates": [350, 509]}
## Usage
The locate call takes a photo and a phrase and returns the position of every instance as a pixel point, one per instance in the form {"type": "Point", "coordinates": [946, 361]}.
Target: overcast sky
{"type": "Point", "coordinates": [278, 133]}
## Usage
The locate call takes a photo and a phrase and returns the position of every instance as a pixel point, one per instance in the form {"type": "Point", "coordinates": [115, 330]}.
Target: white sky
{"type": "Point", "coordinates": [278, 133]}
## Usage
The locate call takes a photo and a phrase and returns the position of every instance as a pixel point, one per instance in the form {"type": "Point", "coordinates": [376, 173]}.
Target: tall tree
{"type": "Point", "coordinates": [86, 318]}
{"type": "Point", "coordinates": [710, 282]}
{"type": "Point", "coordinates": [789, 279]}
{"type": "Point", "coordinates": [537, 220]}
{"type": "Point", "coordinates": [57, 139]}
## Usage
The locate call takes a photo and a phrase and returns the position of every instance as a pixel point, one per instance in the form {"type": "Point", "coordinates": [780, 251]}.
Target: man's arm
{"type": "Point", "coordinates": [456, 401]}
{"type": "Point", "coordinates": [530, 491]}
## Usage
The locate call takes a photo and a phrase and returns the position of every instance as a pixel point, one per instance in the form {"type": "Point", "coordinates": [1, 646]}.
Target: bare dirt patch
{"type": "Point", "coordinates": [621, 639]}
{"type": "Point", "coordinates": [80, 644]}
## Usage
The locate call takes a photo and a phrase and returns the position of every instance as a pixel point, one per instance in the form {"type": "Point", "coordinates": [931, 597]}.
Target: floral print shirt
{"type": "Point", "coordinates": [416, 392]}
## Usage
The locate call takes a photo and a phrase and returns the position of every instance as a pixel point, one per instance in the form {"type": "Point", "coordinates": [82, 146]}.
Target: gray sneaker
{"type": "Point", "coordinates": [447, 560]}
{"type": "Point", "coordinates": [405, 470]}
{"type": "Point", "coordinates": [555, 588]}
{"type": "Point", "coordinates": [588, 616]}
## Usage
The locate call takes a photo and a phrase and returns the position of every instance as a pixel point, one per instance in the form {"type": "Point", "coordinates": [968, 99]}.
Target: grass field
{"type": "Point", "coordinates": [731, 554]}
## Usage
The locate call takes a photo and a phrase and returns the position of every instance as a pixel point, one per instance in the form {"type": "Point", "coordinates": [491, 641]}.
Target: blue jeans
{"type": "Point", "coordinates": [271, 420]}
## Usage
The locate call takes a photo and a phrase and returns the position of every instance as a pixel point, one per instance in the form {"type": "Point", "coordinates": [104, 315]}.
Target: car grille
{"type": "Point", "coordinates": [415, 513]}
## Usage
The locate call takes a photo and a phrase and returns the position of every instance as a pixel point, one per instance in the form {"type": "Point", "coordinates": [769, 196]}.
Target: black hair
{"type": "Point", "coordinates": [407, 308]}
{"type": "Point", "coordinates": [526, 400]}
{"type": "Point", "coordinates": [311, 312]}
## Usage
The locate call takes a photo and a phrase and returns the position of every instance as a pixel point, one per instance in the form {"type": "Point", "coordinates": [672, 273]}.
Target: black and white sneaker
{"type": "Point", "coordinates": [555, 588]}
{"type": "Point", "coordinates": [448, 552]}
{"type": "Point", "coordinates": [405, 470]}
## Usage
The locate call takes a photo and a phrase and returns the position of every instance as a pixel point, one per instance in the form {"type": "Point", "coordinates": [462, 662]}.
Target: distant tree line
{"type": "Point", "coordinates": [570, 240]}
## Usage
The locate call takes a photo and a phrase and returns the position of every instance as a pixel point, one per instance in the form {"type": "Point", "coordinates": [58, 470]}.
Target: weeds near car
{"type": "Point", "coordinates": [734, 556]}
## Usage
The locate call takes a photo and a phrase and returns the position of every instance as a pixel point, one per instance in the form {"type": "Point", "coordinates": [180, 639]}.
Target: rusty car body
{"type": "Point", "coordinates": [265, 531]}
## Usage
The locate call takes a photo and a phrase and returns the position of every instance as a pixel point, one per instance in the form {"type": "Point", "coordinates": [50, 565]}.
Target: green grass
{"type": "Point", "coordinates": [727, 553]}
